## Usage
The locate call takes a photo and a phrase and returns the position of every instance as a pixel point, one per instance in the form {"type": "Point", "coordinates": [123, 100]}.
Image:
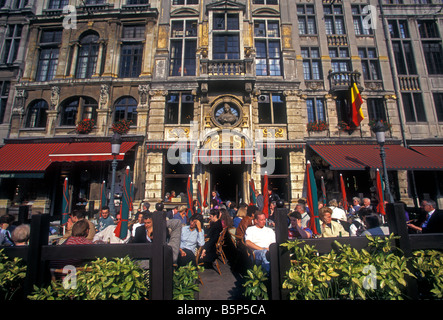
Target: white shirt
{"type": "Point", "coordinates": [262, 237]}
{"type": "Point", "coordinates": [305, 219]}
{"type": "Point", "coordinates": [338, 214]}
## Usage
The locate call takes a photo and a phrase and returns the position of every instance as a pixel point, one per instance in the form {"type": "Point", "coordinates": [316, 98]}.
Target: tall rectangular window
{"type": "Point", "coordinates": [11, 43]}
{"type": "Point", "coordinates": [315, 109]}
{"type": "Point", "coordinates": [413, 107]}
{"type": "Point", "coordinates": [4, 94]}
{"type": "Point", "coordinates": [432, 47]}
{"type": "Point", "coordinates": [306, 19]}
{"type": "Point", "coordinates": [271, 109]}
{"type": "Point", "coordinates": [49, 51]}
{"type": "Point", "coordinates": [226, 36]}
{"type": "Point", "coordinates": [376, 109]}
{"type": "Point", "coordinates": [267, 44]}
{"type": "Point", "coordinates": [311, 63]}
{"type": "Point", "coordinates": [57, 4]}
{"type": "Point", "coordinates": [131, 51]}
{"type": "Point", "coordinates": [358, 18]}
{"type": "Point", "coordinates": [179, 108]}
{"type": "Point", "coordinates": [438, 103]}
{"type": "Point", "coordinates": [334, 19]}
{"type": "Point", "coordinates": [402, 47]}
{"type": "Point", "coordinates": [183, 48]}
{"type": "Point", "coordinates": [370, 64]}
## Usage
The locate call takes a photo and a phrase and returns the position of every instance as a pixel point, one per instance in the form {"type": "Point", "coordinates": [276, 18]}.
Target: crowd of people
{"type": "Point", "coordinates": [193, 237]}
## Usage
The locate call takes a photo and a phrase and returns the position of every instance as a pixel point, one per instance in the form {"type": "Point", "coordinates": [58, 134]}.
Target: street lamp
{"type": "Point", "coordinates": [379, 130]}
{"type": "Point", "coordinates": [116, 142]}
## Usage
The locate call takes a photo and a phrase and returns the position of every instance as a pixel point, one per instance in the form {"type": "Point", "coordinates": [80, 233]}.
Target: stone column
{"type": "Point", "coordinates": [296, 114]}
{"type": "Point", "coordinates": [74, 47]}
{"type": "Point", "coordinates": [143, 109]}
{"type": "Point", "coordinates": [297, 167]}
{"type": "Point", "coordinates": [403, 187]}
{"type": "Point", "coordinates": [157, 114]}
{"type": "Point", "coordinates": [103, 110]}
{"type": "Point", "coordinates": [154, 173]}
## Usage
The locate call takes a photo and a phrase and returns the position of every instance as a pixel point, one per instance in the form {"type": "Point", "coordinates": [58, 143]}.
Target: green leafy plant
{"type": "Point", "coordinates": [255, 284]}
{"type": "Point", "coordinates": [347, 273]}
{"type": "Point", "coordinates": [116, 279]}
{"type": "Point", "coordinates": [186, 282]}
{"type": "Point", "coordinates": [428, 267]}
{"type": "Point", "coordinates": [12, 274]}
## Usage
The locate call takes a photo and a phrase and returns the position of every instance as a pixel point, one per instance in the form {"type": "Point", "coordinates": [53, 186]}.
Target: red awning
{"type": "Point", "coordinates": [89, 151]}
{"type": "Point", "coordinates": [433, 152]}
{"type": "Point", "coordinates": [362, 156]}
{"type": "Point", "coordinates": [27, 157]}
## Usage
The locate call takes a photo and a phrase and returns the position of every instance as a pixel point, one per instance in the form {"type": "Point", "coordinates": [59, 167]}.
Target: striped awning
{"type": "Point", "coordinates": [433, 152]}
{"type": "Point", "coordinates": [89, 151]}
{"type": "Point", "coordinates": [27, 157]}
{"type": "Point", "coordinates": [363, 156]}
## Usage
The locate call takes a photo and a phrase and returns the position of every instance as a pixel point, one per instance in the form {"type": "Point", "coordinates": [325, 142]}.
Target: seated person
{"type": "Point", "coordinates": [373, 227]}
{"type": "Point", "coordinates": [330, 228]}
{"type": "Point", "coordinates": [209, 253]}
{"type": "Point", "coordinates": [145, 233]}
{"type": "Point", "coordinates": [191, 237]}
{"type": "Point", "coordinates": [295, 231]}
{"type": "Point", "coordinates": [78, 215]}
{"type": "Point", "coordinates": [259, 238]}
{"type": "Point", "coordinates": [246, 222]}
{"type": "Point", "coordinates": [181, 215]}
{"type": "Point", "coordinates": [21, 235]}
{"type": "Point", "coordinates": [105, 219]}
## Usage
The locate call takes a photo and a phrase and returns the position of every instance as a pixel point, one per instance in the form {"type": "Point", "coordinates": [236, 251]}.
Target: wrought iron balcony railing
{"type": "Point", "coordinates": [343, 80]}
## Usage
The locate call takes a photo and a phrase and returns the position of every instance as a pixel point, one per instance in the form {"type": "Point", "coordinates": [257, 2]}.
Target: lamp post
{"type": "Point", "coordinates": [116, 142]}
{"type": "Point", "coordinates": [379, 130]}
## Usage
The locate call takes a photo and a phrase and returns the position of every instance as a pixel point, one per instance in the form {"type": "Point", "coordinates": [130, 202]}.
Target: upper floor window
{"type": "Point", "coordinates": [179, 108]}
{"type": "Point", "coordinates": [370, 64]}
{"type": "Point", "coordinates": [131, 51]}
{"type": "Point", "coordinates": [432, 47]}
{"type": "Point", "coordinates": [226, 36]}
{"type": "Point", "coordinates": [402, 47]}
{"type": "Point", "coordinates": [129, 2]}
{"type": "Point", "coordinates": [36, 117]}
{"type": "Point", "coordinates": [11, 43]}
{"type": "Point", "coordinates": [376, 109]}
{"type": "Point", "coordinates": [4, 94]}
{"type": "Point", "coordinates": [267, 44]}
{"type": "Point", "coordinates": [183, 48]}
{"type": "Point", "coordinates": [183, 2]}
{"type": "Point", "coordinates": [87, 56]}
{"type": "Point", "coordinates": [306, 19]}
{"type": "Point", "coordinates": [359, 17]}
{"type": "Point", "coordinates": [413, 107]}
{"type": "Point", "coordinates": [271, 109]}
{"type": "Point", "coordinates": [126, 109]}
{"type": "Point", "coordinates": [77, 109]}
{"type": "Point", "coordinates": [334, 19]}
{"type": "Point", "coordinates": [311, 63]}
{"type": "Point", "coordinates": [316, 109]}
{"type": "Point", "coordinates": [57, 4]}
{"type": "Point", "coordinates": [340, 61]}
{"type": "Point", "coordinates": [94, 2]}
{"type": "Point", "coordinates": [19, 4]}
{"type": "Point", "coordinates": [267, 2]}
{"type": "Point", "coordinates": [49, 51]}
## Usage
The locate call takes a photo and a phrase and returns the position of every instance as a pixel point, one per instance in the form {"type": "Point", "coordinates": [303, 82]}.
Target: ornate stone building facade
{"type": "Point", "coordinates": [224, 91]}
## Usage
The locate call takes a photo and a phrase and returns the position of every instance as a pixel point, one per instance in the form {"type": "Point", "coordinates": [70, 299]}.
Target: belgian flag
{"type": "Point", "coordinates": [356, 102]}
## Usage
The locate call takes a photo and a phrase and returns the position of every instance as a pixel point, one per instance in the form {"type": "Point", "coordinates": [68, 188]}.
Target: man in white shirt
{"type": "Point", "coordinates": [258, 238]}
{"type": "Point", "coordinates": [337, 213]}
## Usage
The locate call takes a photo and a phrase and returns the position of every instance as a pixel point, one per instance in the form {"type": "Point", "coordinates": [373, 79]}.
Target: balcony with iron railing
{"type": "Point", "coordinates": [341, 81]}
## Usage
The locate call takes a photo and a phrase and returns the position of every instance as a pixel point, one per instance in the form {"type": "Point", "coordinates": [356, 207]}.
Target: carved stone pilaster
{"type": "Point", "coordinates": [55, 98]}
{"type": "Point", "coordinates": [104, 96]}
